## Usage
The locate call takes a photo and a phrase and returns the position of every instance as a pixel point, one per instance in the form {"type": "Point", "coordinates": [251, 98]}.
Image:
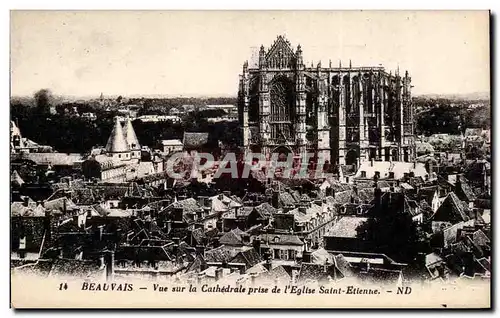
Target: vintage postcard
{"type": "Point", "coordinates": [250, 159]}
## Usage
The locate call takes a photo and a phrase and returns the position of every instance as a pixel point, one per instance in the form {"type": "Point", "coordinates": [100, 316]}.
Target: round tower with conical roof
{"type": "Point", "coordinates": [117, 146]}
{"type": "Point", "coordinates": [132, 141]}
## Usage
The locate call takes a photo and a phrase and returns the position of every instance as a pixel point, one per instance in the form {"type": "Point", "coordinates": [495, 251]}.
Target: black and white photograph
{"type": "Point", "coordinates": [250, 159]}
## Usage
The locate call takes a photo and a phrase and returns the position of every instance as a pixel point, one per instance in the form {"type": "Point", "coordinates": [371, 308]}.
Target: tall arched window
{"type": "Point", "coordinates": [282, 110]}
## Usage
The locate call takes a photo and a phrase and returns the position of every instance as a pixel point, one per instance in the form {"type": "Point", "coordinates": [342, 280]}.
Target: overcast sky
{"type": "Point", "coordinates": [201, 53]}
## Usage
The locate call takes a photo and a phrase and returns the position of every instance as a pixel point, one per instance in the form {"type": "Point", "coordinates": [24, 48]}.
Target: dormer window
{"type": "Point", "coordinates": [363, 174]}
{"type": "Point", "coordinates": [276, 239]}
{"type": "Point", "coordinates": [391, 175]}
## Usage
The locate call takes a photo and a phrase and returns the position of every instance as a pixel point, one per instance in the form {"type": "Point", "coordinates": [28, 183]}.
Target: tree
{"type": "Point", "coordinates": [391, 230]}
{"type": "Point", "coordinates": [43, 101]}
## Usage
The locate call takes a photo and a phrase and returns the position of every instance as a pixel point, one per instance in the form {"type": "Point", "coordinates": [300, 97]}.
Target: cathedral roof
{"type": "Point", "coordinates": [117, 141]}
{"type": "Point", "coordinates": [130, 136]}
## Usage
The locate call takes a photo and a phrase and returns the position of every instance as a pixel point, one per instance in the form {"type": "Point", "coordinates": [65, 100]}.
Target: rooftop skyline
{"type": "Point", "coordinates": [195, 53]}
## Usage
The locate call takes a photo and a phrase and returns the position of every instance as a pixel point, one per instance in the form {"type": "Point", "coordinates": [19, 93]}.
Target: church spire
{"type": "Point", "coordinates": [117, 142]}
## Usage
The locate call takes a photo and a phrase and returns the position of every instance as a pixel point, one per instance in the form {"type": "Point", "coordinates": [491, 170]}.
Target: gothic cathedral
{"type": "Point", "coordinates": [344, 114]}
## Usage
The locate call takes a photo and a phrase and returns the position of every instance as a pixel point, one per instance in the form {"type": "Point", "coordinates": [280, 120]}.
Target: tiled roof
{"type": "Point", "coordinates": [16, 179]}
{"type": "Point", "coordinates": [19, 209]}
{"type": "Point", "coordinates": [321, 256]}
{"type": "Point", "coordinates": [75, 268]}
{"type": "Point", "coordinates": [343, 265]}
{"type": "Point", "coordinates": [480, 238]}
{"type": "Point", "coordinates": [385, 167]}
{"type": "Point", "coordinates": [223, 204]}
{"type": "Point", "coordinates": [278, 273]}
{"type": "Point", "coordinates": [452, 209]}
{"type": "Point", "coordinates": [52, 158]}
{"type": "Point", "coordinates": [312, 211]}
{"type": "Point", "coordinates": [483, 204]}
{"type": "Point", "coordinates": [380, 276]}
{"type": "Point", "coordinates": [231, 239]}
{"type": "Point", "coordinates": [58, 204]}
{"type": "Point", "coordinates": [198, 236]}
{"type": "Point", "coordinates": [194, 139]}
{"type": "Point", "coordinates": [281, 239]}
{"type": "Point", "coordinates": [219, 254]}
{"type": "Point", "coordinates": [266, 210]}
{"type": "Point", "coordinates": [286, 199]}
{"type": "Point", "coordinates": [432, 258]}
{"type": "Point", "coordinates": [107, 163]}
{"type": "Point", "coordinates": [256, 269]}
{"type": "Point", "coordinates": [343, 197]}
{"type": "Point", "coordinates": [463, 190]}
{"type": "Point", "coordinates": [189, 206]}
{"type": "Point", "coordinates": [338, 186]}
{"type": "Point", "coordinates": [346, 227]}
{"type": "Point", "coordinates": [249, 256]}
{"type": "Point", "coordinates": [366, 195]}
{"type": "Point", "coordinates": [317, 272]}
{"type": "Point", "coordinates": [427, 193]}
{"type": "Point", "coordinates": [171, 142]}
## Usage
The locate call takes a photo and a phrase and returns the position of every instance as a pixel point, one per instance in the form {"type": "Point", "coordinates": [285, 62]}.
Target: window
{"type": "Point", "coordinates": [119, 156]}
{"type": "Point", "coordinates": [22, 243]}
{"type": "Point", "coordinates": [363, 174]}
{"type": "Point", "coordinates": [391, 175]}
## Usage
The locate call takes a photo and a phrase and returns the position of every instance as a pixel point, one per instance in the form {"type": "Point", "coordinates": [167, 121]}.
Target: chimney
{"type": "Point", "coordinates": [252, 278]}
{"type": "Point", "coordinates": [110, 264]}
{"type": "Point", "coordinates": [268, 264]}
{"type": "Point", "coordinates": [219, 273]}
{"type": "Point", "coordinates": [306, 256]}
{"type": "Point", "coordinates": [414, 164]}
{"type": "Point", "coordinates": [365, 266]}
{"type": "Point", "coordinates": [201, 200]}
{"type": "Point", "coordinates": [200, 250]}
{"type": "Point", "coordinates": [326, 265]}
{"type": "Point", "coordinates": [329, 192]}
{"type": "Point", "coordinates": [65, 208]}
{"type": "Point", "coordinates": [26, 200]}
{"type": "Point", "coordinates": [256, 245]}
{"type": "Point", "coordinates": [200, 278]}
{"type": "Point", "coordinates": [275, 199]}
{"type": "Point", "coordinates": [100, 232]}
{"type": "Point", "coordinates": [378, 196]}
{"type": "Point", "coordinates": [220, 196]}
{"type": "Point", "coordinates": [372, 162]}
{"type": "Point", "coordinates": [47, 224]}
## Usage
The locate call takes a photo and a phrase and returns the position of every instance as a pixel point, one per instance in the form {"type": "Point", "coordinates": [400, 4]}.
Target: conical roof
{"type": "Point", "coordinates": [117, 141]}
{"type": "Point", "coordinates": [130, 136]}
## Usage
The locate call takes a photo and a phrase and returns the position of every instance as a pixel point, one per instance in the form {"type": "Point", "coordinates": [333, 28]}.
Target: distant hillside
{"type": "Point", "coordinates": [467, 97]}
